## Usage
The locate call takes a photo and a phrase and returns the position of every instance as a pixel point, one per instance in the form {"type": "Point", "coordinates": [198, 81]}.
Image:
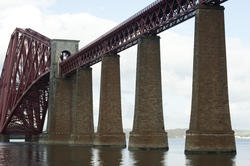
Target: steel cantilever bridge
{"type": "Point", "coordinates": [24, 82]}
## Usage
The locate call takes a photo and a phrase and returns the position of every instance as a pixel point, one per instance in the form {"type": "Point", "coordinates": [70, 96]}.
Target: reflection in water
{"type": "Point", "coordinates": [109, 156]}
{"type": "Point", "coordinates": [44, 155]}
{"type": "Point", "coordinates": [148, 158]}
{"type": "Point", "coordinates": [210, 160]}
{"type": "Point", "coordinates": [27, 154]}
{"type": "Point", "coordinates": [68, 155]}
{"type": "Point", "coordinates": [32, 154]}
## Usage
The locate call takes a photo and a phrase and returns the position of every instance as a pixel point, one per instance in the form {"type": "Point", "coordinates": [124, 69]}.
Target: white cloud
{"type": "Point", "coordinates": [5, 4]}
{"type": "Point", "coordinates": [176, 56]}
{"type": "Point", "coordinates": [238, 81]}
{"type": "Point", "coordinates": [80, 26]}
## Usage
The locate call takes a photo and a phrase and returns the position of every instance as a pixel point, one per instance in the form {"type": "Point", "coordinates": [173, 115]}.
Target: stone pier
{"type": "Point", "coordinates": [148, 128]}
{"type": "Point", "coordinates": [60, 95]}
{"type": "Point", "coordinates": [210, 126]}
{"type": "Point", "coordinates": [82, 113]}
{"type": "Point", "coordinates": [110, 131]}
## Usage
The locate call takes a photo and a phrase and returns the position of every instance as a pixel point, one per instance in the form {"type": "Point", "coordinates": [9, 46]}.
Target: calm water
{"type": "Point", "coordinates": [29, 154]}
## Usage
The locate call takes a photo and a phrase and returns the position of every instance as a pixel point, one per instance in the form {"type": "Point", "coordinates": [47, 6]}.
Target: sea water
{"type": "Point", "coordinates": [33, 154]}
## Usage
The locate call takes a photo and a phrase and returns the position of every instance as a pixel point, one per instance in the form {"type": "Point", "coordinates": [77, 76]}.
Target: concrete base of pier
{"type": "Point", "coordinates": [31, 138]}
{"type": "Point", "coordinates": [46, 138]}
{"type": "Point", "coordinates": [110, 140]}
{"type": "Point", "coordinates": [148, 141]}
{"type": "Point", "coordinates": [57, 138]}
{"type": "Point", "coordinates": [4, 138]}
{"type": "Point", "coordinates": [209, 143]}
{"type": "Point", "coordinates": [85, 140]}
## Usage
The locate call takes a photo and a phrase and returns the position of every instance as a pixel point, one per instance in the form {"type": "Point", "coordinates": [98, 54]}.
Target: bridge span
{"type": "Point", "coordinates": [41, 74]}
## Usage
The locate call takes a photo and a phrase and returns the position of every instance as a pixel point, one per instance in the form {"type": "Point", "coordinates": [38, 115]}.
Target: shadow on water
{"type": "Point", "coordinates": [210, 160]}
{"type": "Point", "coordinates": [109, 156]}
{"type": "Point", "coordinates": [148, 158]}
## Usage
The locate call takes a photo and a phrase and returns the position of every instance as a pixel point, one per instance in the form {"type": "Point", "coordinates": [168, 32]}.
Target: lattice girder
{"type": "Point", "coordinates": [157, 17]}
{"type": "Point", "coordinates": [24, 83]}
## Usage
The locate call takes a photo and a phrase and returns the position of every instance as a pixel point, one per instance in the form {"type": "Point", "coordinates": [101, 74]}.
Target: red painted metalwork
{"type": "Point", "coordinates": [157, 17]}
{"type": "Point", "coordinates": [24, 83]}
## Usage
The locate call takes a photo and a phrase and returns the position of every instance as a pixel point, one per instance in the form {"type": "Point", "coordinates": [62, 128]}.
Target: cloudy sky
{"type": "Point", "coordinates": [86, 20]}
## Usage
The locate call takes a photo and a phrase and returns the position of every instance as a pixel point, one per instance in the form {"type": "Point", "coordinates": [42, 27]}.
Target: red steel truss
{"type": "Point", "coordinates": [24, 83]}
{"type": "Point", "coordinates": [157, 17]}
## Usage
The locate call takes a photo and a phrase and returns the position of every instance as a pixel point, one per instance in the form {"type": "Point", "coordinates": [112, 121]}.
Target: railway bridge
{"type": "Point", "coordinates": [41, 75]}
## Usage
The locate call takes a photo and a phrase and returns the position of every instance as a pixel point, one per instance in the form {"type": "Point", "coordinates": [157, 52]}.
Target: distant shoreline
{"type": "Point", "coordinates": [181, 133]}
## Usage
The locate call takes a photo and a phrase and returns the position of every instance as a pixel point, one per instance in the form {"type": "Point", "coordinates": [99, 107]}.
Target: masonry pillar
{"type": "Point", "coordinates": [148, 128]}
{"type": "Point", "coordinates": [83, 127]}
{"type": "Point", "coordinates": [60, 95]}
{"type": "Point", "coordinates": [4, 138]}
{"type": "Point", "coordinates": [110, 131]}
{"type": "Point", "coordinates": [210, 126]}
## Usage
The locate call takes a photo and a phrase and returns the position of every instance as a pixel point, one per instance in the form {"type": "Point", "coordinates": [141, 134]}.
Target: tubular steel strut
{"type": "Point", "coordinates": [24, 83]}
